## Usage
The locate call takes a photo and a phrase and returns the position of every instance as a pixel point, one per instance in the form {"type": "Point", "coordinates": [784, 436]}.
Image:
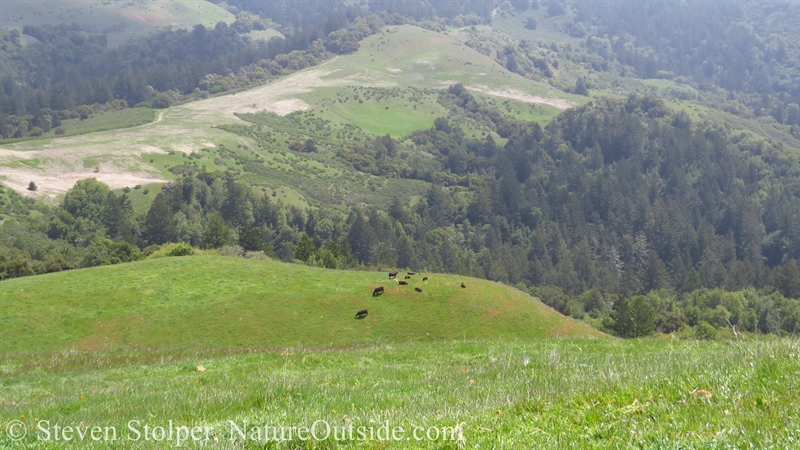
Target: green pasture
{"type": "Point", "coordinates": [488, 393]}
{"type": "Point", "coordinates": [203, 302]}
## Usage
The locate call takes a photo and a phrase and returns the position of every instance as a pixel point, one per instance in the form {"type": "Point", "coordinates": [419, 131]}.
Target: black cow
{"type": "Point", "coordinates": [424, 278]}
{"type": "Point", "coordinates": [392, 274]}
{"type": "Point", "coordinates": [402, 282]}
{"type": "Point", "coordinates": [418, 289]}
{"type": "Point", "coordinates": [408, 277]}
{"type": "Point", "coordinates": [378, 291]}
{"type": "Point", "coordinates": [411, 273]}
{"type": "Point", "coordinates": [361, 314]}
{"type": "Point", "coordinates": [463, 285]}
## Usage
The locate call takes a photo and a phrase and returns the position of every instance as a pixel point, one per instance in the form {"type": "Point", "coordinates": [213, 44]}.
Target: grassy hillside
{"type": "Point", "coordinates": [220, 302]}
{"type": "Point", "coordinates": [395, 85]}
{"type": "Point", "coordinates": [120, 21]}
{"type": "Point", "coordinates": [579, 393]}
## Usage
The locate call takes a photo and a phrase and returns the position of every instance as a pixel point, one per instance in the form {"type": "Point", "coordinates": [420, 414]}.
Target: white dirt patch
{"type": "Point", "coordinates": [278, 97]}
{"type": "Point", "coordinates": [448, 82]}
{"type": "Point", "coordinates": [393, 70]}
{"type": "Point", "coordinates": [284, 107]}
{"type": "Point", "coordinates": [53, 182]}
{"type": "Point", "coordinates": [516, 94]}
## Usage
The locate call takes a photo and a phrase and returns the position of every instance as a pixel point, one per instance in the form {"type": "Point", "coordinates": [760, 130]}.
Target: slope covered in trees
{"type": "Point", "coordinates": [610, 200]}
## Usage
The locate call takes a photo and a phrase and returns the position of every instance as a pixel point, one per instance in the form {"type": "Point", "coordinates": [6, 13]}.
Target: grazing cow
{"type": "Point", "coordinates": [463, 285]}
{"type": "Point", "coordinates": [361, 314]}
{"type": "Point", "coordinates": [392, 274]}
{"type": "Point", "coordinates": [424, 278]}
{"type": "Point", "coordinates": [401, 282]}
{"type": "Point", "coordinates": [378, 291]}
{"type": "Point", "coordinates": [411, 273]}
{"type": "Point", "coordinates": [418, 289]}
{"type": "Point", "coordinates": [408, 277]}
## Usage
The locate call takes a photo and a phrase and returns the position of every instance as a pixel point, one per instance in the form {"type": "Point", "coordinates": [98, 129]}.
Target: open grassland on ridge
{"type": "Point", "coordinates": [203, 302]}
{"type": "Point", "coordinates": [582, 393]}
{"type": "Point", "coordinates": [120, 20]}
{"type": "Point", "coordinates": [388, 59]}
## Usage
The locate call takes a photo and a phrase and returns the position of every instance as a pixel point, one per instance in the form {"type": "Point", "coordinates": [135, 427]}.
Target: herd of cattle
{"type": "Point", "coordinates": [393, 275]}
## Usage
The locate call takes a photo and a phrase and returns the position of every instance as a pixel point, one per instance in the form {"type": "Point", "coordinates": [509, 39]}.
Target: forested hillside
{"type": "Point", "coordinates": [616, 198]}
{"type": "Point", "coordinates": [629, 204]}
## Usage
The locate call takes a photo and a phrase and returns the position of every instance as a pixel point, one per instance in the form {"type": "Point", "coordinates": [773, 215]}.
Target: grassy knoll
{"type": "Point", "coordinates": [560, 393]}
{"type": "Point", "coordinates": [218, 302]}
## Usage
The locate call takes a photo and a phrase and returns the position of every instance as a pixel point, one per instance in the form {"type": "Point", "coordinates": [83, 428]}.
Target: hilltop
{"type": "Point", "coordinates": [118, 21]}
{"type": "Point", "coordinates": [221, 302]}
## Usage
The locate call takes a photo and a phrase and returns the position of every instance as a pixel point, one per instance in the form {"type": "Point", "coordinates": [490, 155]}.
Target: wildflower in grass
{"type": "Point", "coordinates": [81, 397]}
{"type": "Point", "coordinates": [526, 361]}
{"type": "Point", "coordinates": [23, 416]}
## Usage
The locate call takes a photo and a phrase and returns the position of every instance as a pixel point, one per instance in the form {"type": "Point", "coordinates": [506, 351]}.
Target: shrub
{"type": "Point", "coordinates": [231, 250]}
{"type": "Point", "coordinates": [172, 249]}
{"type": "Point", "coordinates": [705, 331]}
{"type": "Point", "coordinates": [59, 131]}
{"type": "Point", "coordinates": [32, 186]}
{"type": "Point", "coordinates": [162, 100]}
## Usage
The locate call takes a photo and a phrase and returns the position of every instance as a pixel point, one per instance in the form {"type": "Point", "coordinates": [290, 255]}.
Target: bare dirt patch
{"type": "Point", "coordinates": [277, 97]}
{"type": "Point", "coordinates": [52, 182]}
{"type": "Point", "coordinates": [516, 94]}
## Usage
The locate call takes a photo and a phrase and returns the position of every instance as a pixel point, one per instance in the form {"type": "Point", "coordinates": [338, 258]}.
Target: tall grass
{"type": "Point", "coordinates": [503, 394]}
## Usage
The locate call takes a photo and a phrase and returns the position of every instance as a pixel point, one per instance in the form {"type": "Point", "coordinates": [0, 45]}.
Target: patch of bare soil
{"type": "Point", "coordinates": [516, 94]}
{"type": "Point", "coordinates": [274, 97]}
{"type": "Point", "coordinates": [52, 182]}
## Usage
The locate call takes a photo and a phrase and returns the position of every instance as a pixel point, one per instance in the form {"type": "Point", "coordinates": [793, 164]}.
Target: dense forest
{"type": "Point", "coordinates": [747, 49]}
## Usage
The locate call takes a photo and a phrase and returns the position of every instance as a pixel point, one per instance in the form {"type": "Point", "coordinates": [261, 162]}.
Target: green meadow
{"type": "Point", "coordinates": [513, 393]}
{"type": "Point", "coordinates": [233, 345]}
{"type": "Point", "coordinates": [206, 302]}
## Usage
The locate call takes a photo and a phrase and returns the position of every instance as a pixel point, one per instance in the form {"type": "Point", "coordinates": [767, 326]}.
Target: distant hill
{"type": "Point", "coordinates": [219, 302]}
{"type": "Point", "coordinates": [120, 21]}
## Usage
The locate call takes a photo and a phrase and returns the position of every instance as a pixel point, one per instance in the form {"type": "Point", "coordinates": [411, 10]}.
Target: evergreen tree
{"type": "Point", "coordinates": [158, 225]}
{"type": "Point", "coordinates": [632, 317]}
{"type": "Point", "coordinates": [216, 232]}
{"type": "Point", "coordinates": [251, 238]}
{"type": "Point", "coordinates": [305, 248]}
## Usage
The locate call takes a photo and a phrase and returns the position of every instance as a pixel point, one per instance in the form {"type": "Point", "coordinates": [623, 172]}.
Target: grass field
{"type": "Point", "coordinates": [120, 20]}
{"type": "Point", "coordinates": [559, 393]}
{"type": "Point", "coordinates": [233, 346]}
{"type": "Point", "coordinates": [204, 302]}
